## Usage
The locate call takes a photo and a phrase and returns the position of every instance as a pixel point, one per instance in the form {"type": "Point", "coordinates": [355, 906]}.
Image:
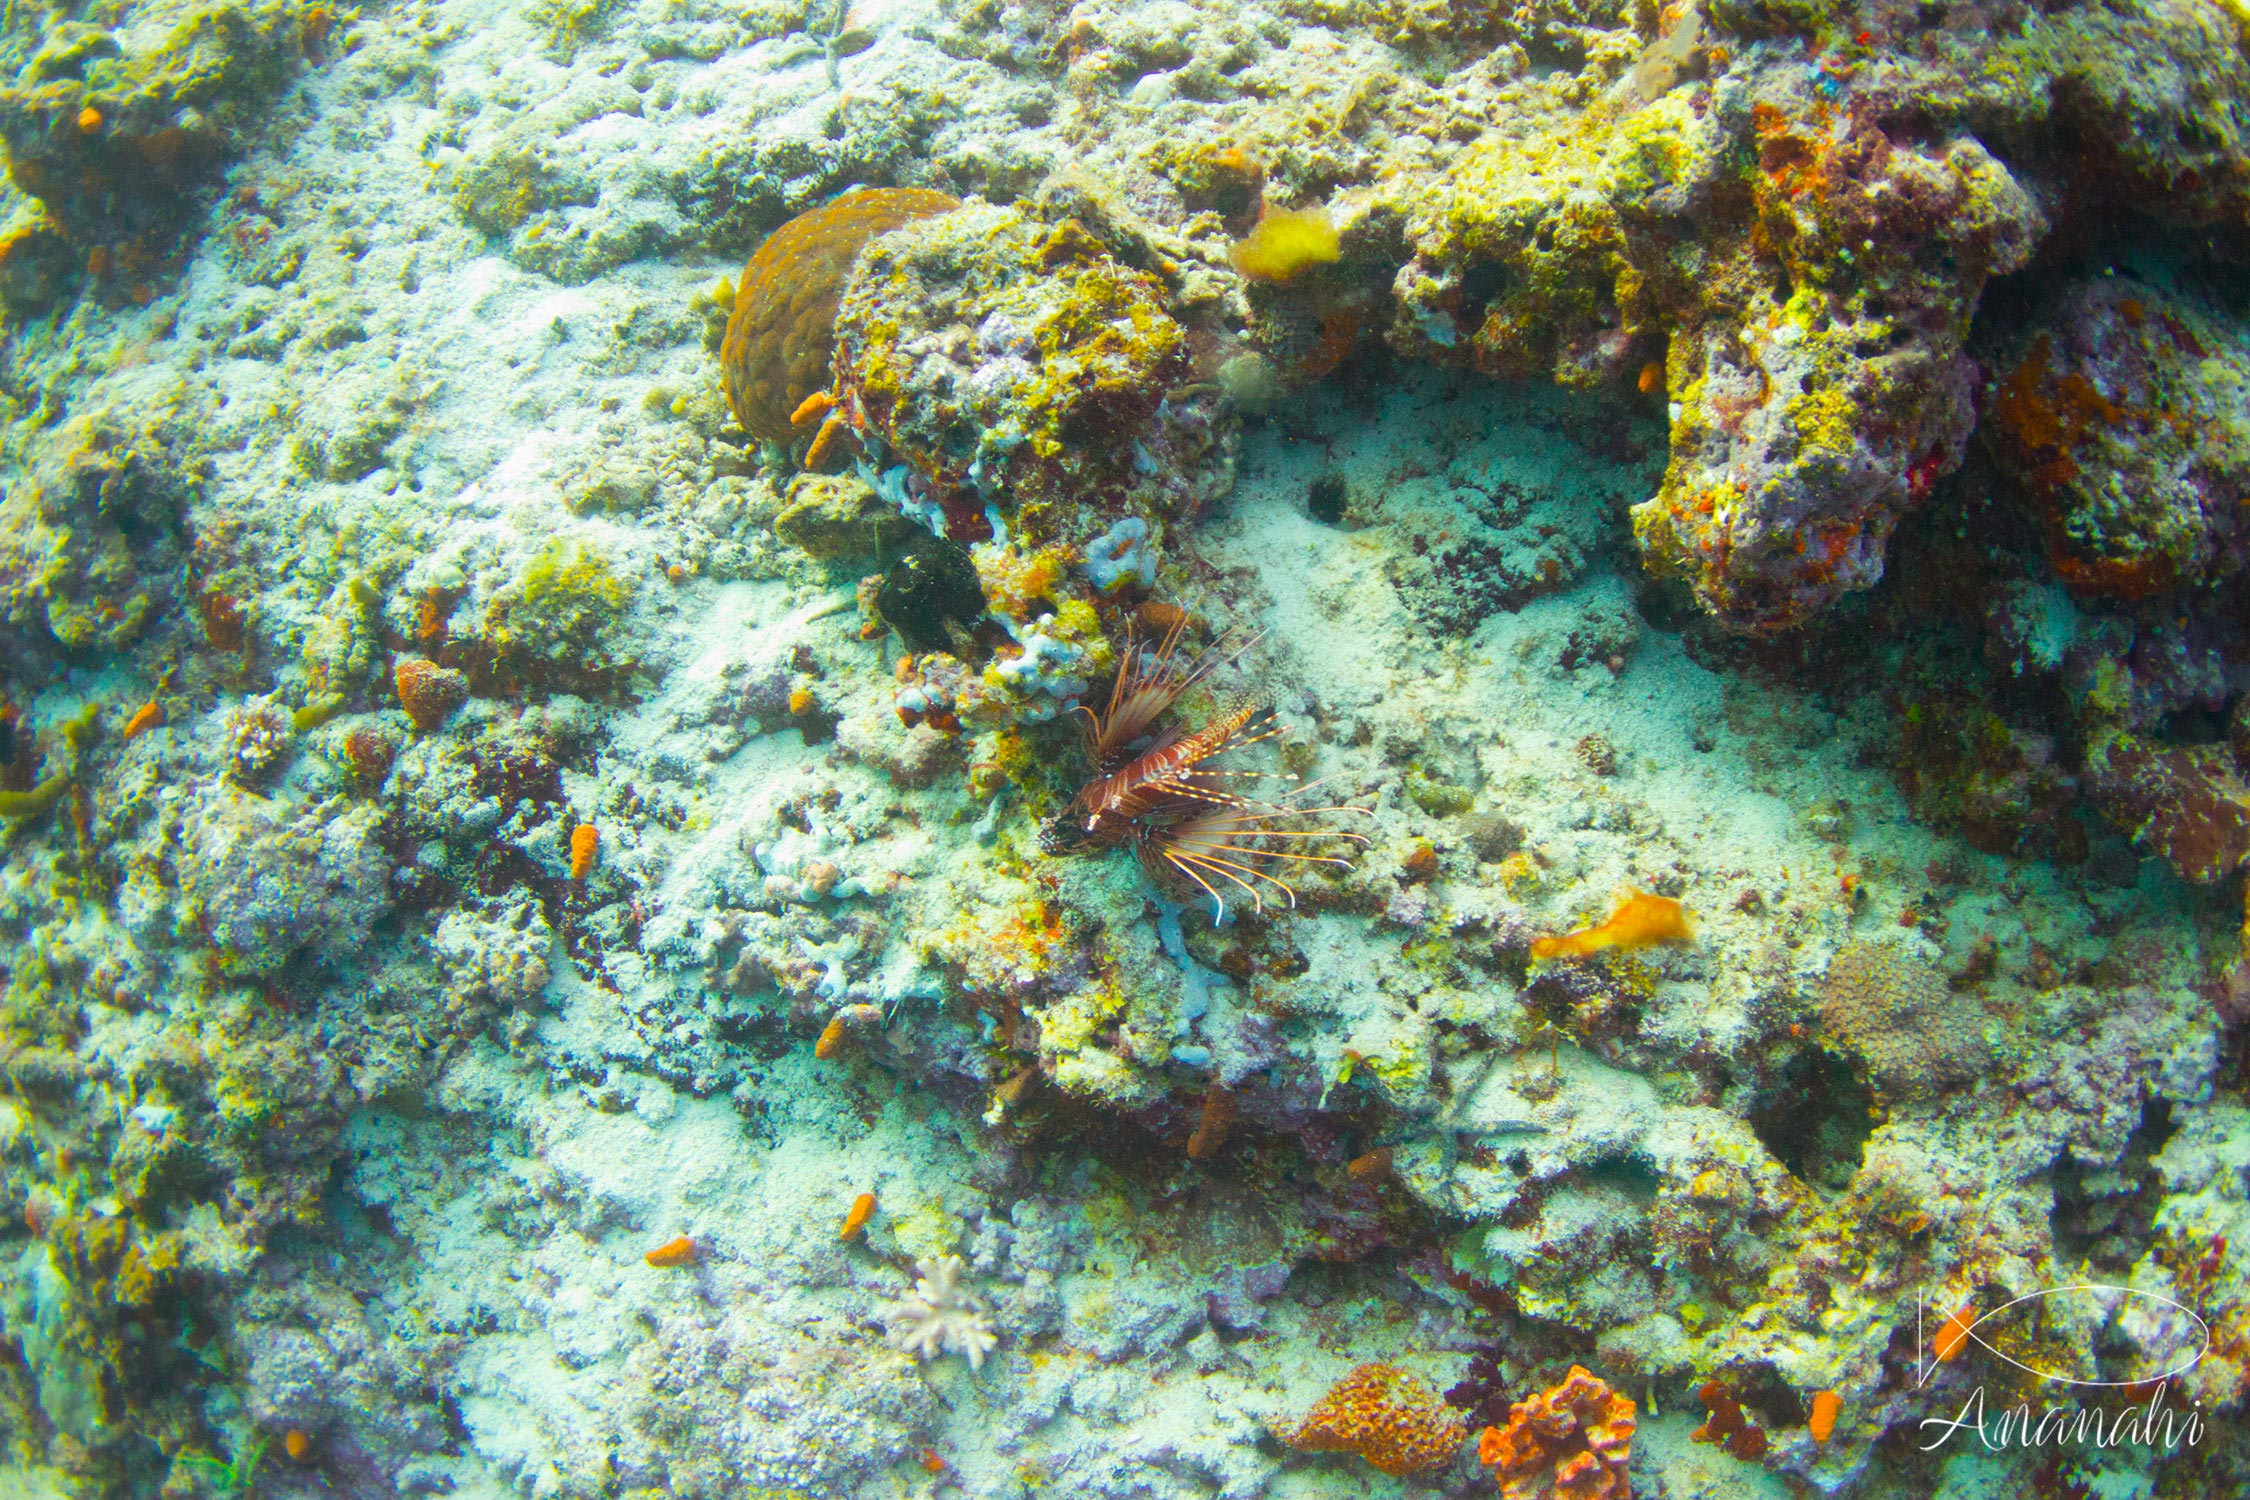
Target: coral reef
{"type": "Point", "coordinates": [2117, 417]}
{"type": "Point", "coordinates": [506, 869]}
{"type": "Point", "coordinates": [118, 130]}
{"type": "Point", "coordinates": [1033, 356]}
{"type": "Point", "coordinates": [1814, 357]}
{"type": "Point", "coordinates": [262, 881]}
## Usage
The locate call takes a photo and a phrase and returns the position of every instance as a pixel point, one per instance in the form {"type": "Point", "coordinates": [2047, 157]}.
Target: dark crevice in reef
{"type": "Point", "coordinates": [2106, 1215]}
{"type": "Point", "coordinates": [1815, 1117]}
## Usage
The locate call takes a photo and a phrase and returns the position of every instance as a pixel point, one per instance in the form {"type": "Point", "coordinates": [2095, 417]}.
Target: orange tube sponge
{"type": "Point", "coordinates": [1387, 1417]}
{"type": "Point", "coordinates": [1579, 1434]}
{"type": "Point", "coordinates": [585, 843]}
{"type": "Point", "coordinates": [145, 718]}
{"type": "Point", "coordinates": [672, 1253]}
{"type": "Point", "coordinates": [1826, 1406]}
{"type": "Point", "coordinates": [855, 1219]}
{"type": "Point", "coordinates": [1641, 919]}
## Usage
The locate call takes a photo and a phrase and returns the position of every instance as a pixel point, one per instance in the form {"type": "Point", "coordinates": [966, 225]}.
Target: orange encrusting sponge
{"type": "Point", "coordinates": [1640, 920]}
{"type": "Point", "coordinates": [1386, 1416]}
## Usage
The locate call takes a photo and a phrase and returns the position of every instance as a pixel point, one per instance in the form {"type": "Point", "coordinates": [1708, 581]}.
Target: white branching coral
{"type": "Point", "coordinates": [942, 1315]}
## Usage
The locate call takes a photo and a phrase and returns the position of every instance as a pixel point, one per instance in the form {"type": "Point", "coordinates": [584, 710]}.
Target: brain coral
{"type": "Point", "coordinates": [1387, 1417]}
{"type": "Point", "coordinates": [1900, 1014]}
{"type": "Point", "coordinates": [778, 340]}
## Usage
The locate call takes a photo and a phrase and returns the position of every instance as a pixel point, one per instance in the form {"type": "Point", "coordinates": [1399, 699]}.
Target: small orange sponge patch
{"type": "Point", "coordinates": [855, 1219]}
{"type": "Point", "coordinates": [1641, 919]}
{"type": "Point", "coordinates": [679, 1252]}
{"type": "Point", "coordinates": [1386, 1416]}
{"type": "Point", "coordinates": [1954, 1332]}
{"type": "Point", "coordinates": [1826, 1406]}
{"type": "Point", "coordinates": [585, 843]}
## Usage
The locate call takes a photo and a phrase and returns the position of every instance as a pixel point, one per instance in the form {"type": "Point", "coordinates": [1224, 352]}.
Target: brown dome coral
{"type": "Point", "coordinates": [1902, 1016]}
{"type": "Point", "coordinates": [782, 331]}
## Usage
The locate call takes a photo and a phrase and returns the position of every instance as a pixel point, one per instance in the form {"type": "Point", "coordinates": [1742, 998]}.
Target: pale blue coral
{"type": "Point", "coordinates": [1123, 554]}
{"type": "Point", "coordinates": [892, 485]}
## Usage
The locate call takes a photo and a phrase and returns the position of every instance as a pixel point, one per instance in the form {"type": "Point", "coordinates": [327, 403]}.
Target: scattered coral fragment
{"type": "Point", "coordinates": [942, 1316]}
{"type": "Point", "coordinates": [1898, 1012]}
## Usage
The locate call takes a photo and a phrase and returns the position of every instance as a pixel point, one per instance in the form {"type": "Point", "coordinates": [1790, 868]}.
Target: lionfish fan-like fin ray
{"type": "Point", "coordinates": [1191, 864]}
{"type": "Point", "coordinates": [1217, 842]}
{"type": "Point", "coordinates": [1145, 690]}
{"type": "Point", "coordinates": [1145, 686]}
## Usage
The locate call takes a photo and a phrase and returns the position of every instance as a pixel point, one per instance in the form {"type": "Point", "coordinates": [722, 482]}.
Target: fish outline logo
{"type": "Point", "coordinates": [1954, 1332]}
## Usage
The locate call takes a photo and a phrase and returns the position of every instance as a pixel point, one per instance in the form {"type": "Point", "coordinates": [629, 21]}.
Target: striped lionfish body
{"type": "Point", "coordinates": [1156, 788]}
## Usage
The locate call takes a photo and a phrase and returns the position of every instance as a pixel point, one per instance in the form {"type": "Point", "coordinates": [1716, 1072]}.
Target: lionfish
{"type": "Point", "coordinates": [1155, 788]}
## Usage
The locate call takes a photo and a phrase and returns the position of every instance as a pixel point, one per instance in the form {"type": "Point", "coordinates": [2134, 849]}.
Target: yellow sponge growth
{"type": "Point", "coordinates": [1286, 244]}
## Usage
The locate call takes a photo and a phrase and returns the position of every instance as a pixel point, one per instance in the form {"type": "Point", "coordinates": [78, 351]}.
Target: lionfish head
{"type": "Point", "coordinates": [1065, 833]}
